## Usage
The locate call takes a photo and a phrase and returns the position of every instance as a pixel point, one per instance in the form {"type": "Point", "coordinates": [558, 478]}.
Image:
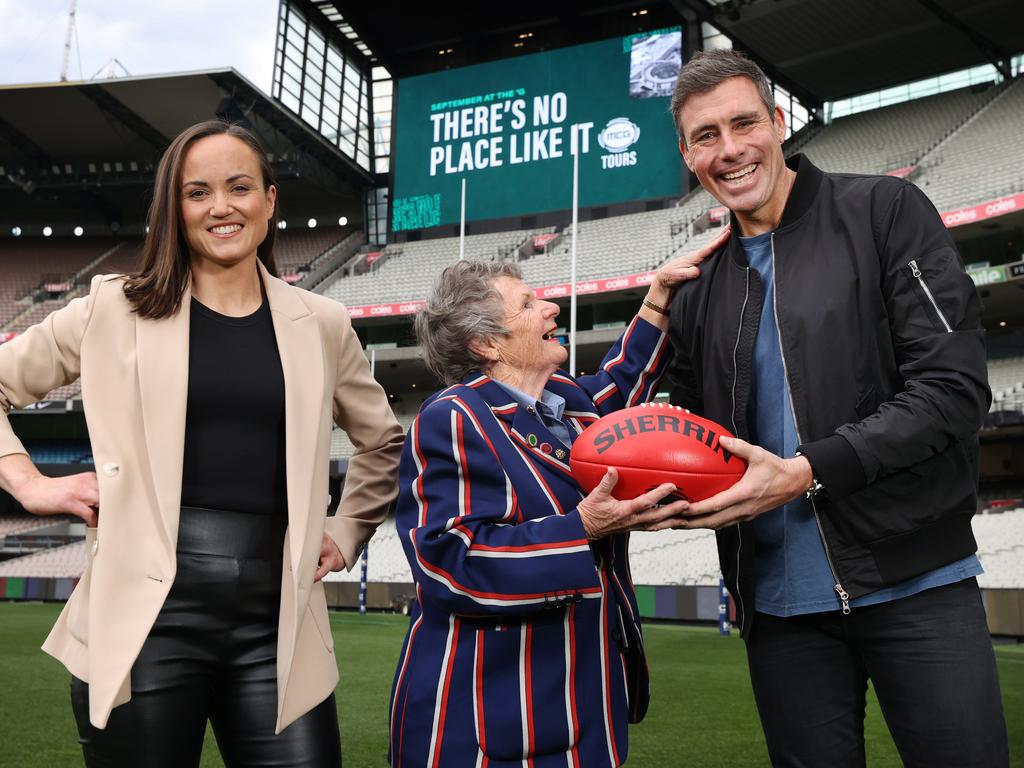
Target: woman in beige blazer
{"type": "Point", "coordinates": [209, 388]}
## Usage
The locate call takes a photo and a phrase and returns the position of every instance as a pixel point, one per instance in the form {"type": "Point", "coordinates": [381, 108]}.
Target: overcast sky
{"type": "Point", "coordinates": [147, 36]}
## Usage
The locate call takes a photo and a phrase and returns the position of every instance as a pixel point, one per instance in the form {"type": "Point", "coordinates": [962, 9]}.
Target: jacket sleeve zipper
{"type": "Point", "coordinates": [844, 597]}
{"type": "Point", "coordinates": [916, 272]}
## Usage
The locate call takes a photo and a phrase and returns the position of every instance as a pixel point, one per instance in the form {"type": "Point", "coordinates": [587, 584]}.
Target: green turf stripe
{"type": "Point", "coordinates": [15, 587]}
{"type": "Point", "coordinates": [645, 600]}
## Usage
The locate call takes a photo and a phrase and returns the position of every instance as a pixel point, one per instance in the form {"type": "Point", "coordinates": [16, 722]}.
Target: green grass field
{"type": "Point", "coordinates": [702, 711]}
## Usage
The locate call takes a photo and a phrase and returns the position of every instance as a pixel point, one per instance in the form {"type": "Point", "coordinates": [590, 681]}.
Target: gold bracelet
{"type": "Point", "coordinates": [660, 310]}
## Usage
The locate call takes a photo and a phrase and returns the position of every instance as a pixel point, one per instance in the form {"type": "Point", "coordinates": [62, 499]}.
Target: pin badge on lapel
{"type": "Point", "coordinates": [545, 447]}
{"type": "Point", "coordinates": [559, 453]}
{"type": "Point", "coordinates": [532, 440]}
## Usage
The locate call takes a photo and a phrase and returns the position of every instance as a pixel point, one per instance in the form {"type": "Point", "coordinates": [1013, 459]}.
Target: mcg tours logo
{"type": "Point", "coordinates": [617, 137]}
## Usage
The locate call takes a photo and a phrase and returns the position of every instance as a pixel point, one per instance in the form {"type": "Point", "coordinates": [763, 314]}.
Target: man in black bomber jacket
{"type": "Point", "coordinates": [838, 337]}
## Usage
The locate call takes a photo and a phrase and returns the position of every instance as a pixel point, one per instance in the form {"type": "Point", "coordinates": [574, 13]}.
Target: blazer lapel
{"type": "Point", "coordinates": [301, 352]}
{"type": "Point", "coordinates": [533, 436]}
{"type": "Point", "coordinates": [161, 347]}
{"type": "Point", "coordinates": [532, 439]}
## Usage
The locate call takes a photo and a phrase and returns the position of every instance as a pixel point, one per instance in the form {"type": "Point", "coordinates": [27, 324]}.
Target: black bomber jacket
{"type": "Point", "coordinates": [883, 349]}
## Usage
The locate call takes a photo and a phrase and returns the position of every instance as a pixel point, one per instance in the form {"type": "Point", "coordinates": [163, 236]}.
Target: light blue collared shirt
{"type": "Point", "coordinates": [548, 410]}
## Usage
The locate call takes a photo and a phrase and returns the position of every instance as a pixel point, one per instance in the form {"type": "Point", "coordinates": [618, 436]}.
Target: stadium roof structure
{"type": "Point", "coordinates": [87, 151]}
{"type": "Point", "coordinates": [820, 50]}
{"type": "Point", "coordinates": [832, 49]}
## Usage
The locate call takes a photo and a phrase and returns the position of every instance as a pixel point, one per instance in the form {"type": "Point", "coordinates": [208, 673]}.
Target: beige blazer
{"type": "Point", "coordinates": [134, 374]}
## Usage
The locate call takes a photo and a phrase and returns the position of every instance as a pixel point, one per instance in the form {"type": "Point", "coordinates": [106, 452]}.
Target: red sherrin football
{"type": "Point", "coordinates": [656, 443]}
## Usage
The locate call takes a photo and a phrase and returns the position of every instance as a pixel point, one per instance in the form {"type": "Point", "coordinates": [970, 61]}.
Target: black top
{"type": "Point", "coordinates": [234, 427]}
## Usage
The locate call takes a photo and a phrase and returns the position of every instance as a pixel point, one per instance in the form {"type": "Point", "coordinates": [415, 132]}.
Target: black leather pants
{"type": "Point", "coordinates": [212, 655]}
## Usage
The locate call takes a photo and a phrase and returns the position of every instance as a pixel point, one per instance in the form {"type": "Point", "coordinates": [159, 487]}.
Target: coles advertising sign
{"type": "Point", "coordinates": [387, 310]}
{"type": "Point", "coordinates": [545, 292]}
{"type": "Point", "coordinates": [539, 241]}
{"type": "Point", "coordinates": [984, 211]}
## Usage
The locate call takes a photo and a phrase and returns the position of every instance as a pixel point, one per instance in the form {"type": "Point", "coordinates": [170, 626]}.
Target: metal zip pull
{"type": "Point", "coordinates": [916, 272]}
{"type": "Point", "coordinates": [844, 597]}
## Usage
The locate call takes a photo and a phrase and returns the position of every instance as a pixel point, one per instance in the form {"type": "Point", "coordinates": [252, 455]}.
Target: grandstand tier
{"type": "Point", "coordinates": [895, 138]}
{"type": "Point", "coordinates": [34, 269]}
{"type": "Point", "coordinates": [983, 159]}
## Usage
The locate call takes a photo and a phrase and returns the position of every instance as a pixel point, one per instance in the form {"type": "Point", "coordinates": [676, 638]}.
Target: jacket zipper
{"type": "Point", "coordinates": [844, 597]}
{"type": "Point", "coordinates": [735, 348]}
{"type": "Point", "coordinates": [927, 292]}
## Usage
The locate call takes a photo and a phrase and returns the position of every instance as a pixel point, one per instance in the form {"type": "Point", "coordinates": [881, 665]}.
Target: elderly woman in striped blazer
{"type": "Point", "coordinates": [525, 644]}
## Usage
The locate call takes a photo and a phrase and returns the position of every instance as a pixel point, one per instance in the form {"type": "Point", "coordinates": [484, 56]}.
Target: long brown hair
{"type": "Point", "coordinates": [156, 290]}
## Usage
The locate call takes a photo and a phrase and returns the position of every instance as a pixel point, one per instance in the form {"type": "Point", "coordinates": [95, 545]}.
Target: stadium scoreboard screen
{"type": "Point", "coordinates": [510, 128]}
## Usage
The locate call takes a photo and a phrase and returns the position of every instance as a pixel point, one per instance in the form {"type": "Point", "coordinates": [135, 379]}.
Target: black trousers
{"type": "Point", "coordinates": [212, 655]}
{"type": "Point", "coordinates": [930, 659]}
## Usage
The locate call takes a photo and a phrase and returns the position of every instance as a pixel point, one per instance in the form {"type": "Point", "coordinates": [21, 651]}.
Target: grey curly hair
{"type": "Point", "coordinates": [463, 305]}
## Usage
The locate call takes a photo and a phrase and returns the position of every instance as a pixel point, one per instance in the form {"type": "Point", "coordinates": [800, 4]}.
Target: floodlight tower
{"type": "Point", "coordinates": [67, 42]}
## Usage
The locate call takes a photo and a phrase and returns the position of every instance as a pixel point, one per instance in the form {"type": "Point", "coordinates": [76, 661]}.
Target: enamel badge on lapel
{"type": "Point", "coordinates": [545, 447]}
{"type": "Point", "coordinates": [532, 440]}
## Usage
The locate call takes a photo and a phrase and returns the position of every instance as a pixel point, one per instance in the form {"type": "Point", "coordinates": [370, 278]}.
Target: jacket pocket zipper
{"type": "Point", "coordinates": [916, 272]}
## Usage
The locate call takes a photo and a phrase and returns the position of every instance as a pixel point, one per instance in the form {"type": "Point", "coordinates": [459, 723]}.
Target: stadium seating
{"type": "Point", "coordinates": [341, 446]}
{"type": "Point", "coordinates": [674, 557]}
{"type": "Point", "coordinates": [1006, 372]}
{"type": "Point", "coordinates": [123, 259]}
{"type": "Point", "coordinates": [295, 249]}
{"type": "Point", "coordinates": [691, 557]}
{"type": "Point", "coordinates": [406, 270]}
{"type": "Point", "coordinates": [1000, 537]}
{"type": "Point", "coordinates": [15, 524]}
{"type": "Point", "coordinates": [386, 560]}
{"type": "Point", "coordinates": [891, 138]}
{"type": "Point", "coordinates": [34, 313]}
{"type": "Point", "coordinates": [983, 160]}
{"type": "Point", "coordinates": [27, 263]}
{"type": "Point", "coordinates": [1006, 378]}
{"type": "Point", "coordinates": [620, 245]}
{"type": "Point", "coordinates": [605, 247]}
{"type": "Point", "coordinates": [68, 561]}
{"type": "Point", "coordinates": [292, 250]}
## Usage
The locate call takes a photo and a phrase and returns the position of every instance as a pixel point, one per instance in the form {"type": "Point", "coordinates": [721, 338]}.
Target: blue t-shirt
{"type": "Point", "coordinates": [791, 569]}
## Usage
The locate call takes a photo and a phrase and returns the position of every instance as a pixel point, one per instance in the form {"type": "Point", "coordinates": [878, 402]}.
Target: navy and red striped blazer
{"type": "Point", "coordinates": [525, 646]}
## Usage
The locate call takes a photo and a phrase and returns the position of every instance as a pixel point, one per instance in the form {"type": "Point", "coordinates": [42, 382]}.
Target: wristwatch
{"type": "Point", "coordinates": [815, 489]}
